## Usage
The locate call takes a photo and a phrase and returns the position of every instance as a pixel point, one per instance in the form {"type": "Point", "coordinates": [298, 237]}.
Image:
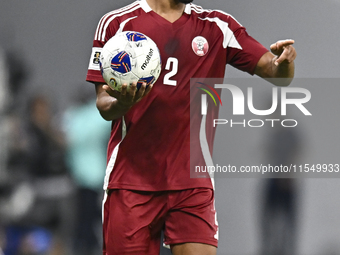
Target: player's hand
{"type": "Point", "coordinates": [284, 51]}
{"type": "Point", "coordinates": [127, 97]}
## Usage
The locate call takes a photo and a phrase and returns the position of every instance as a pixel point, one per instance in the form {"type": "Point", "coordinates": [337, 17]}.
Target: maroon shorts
{"type": "Point", "coordinates": [133, 220]}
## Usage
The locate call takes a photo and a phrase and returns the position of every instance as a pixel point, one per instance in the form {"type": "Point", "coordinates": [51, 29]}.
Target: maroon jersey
{"type": "Point", "coordinates": [149, 148]}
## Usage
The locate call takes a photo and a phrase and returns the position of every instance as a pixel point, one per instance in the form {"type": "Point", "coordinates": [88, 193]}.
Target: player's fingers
{"type": "Point", "coordinates": [282, 43]}
{"type": "Point", "coordinates": [132, 90]}
{"type": "Point", "coordinates": [141, 91]}
{"type": "Point", "coordinates": [110, 91]}
{"type": "Point", "coordinates": [273, 46]}
{"type": "Point", "coordinates": [123, 90]}
{"type": "Point", "coordinates": [148, 89]}
{"type": "Point", "coordinates": [286, 42]}
{"type": "Point", "coordinates": [282, 57]}
{"type": "Point", "coordinates": [294, 54]}
{"type": "Point", "coordinates": [291, 55]}
{"type": "Point", "coordinates": [107, 88]}
{"type": "Point", "coordinates": [288, 55]}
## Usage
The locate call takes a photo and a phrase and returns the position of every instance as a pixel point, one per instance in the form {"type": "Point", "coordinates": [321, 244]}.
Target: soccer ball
{"type": "Point", "coordinates": [130, 57]}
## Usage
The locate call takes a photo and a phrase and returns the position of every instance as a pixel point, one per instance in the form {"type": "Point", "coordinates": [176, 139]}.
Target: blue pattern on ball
{"type": "Point", "coordinates": [121, 62]}
{"type": "Point", "coordinates": [147, 80]}
{"type": "Point", "coordinates": [135, 37]}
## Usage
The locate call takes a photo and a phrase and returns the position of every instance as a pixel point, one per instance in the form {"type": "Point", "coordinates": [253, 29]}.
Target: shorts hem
{"type": "Point", "coordinates": [133, 250]}
{"type": "Point", "coordinates": [212, 242]}
{"type": "Point", "coordinates": [152, 189]}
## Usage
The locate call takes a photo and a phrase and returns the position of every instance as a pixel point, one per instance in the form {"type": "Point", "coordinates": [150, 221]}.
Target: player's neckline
{"type": "Point", "coordinates": [177, 23]}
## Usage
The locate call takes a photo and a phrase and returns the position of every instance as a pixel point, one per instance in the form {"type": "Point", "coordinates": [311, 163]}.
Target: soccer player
{"type": "Point", "coordinates": [148, 185]}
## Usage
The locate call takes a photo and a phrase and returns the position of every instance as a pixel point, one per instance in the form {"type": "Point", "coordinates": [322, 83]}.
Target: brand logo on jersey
{"type": "Point", "coordinates": [200, 45]}
{"type": "Point", "coordinates": [96, 57]}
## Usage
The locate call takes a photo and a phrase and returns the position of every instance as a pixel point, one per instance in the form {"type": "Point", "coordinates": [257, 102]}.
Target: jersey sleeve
{"type": "Point", "coordinates": [245, 59]}
{"type": "Point", "coordinates": [248, 51]}
{"type": "Point", "coordinates": [107, 27]}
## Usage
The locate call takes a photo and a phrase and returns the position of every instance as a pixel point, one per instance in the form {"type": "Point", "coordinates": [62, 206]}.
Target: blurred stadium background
{"type": "Point", "coordinates": [45, 48]}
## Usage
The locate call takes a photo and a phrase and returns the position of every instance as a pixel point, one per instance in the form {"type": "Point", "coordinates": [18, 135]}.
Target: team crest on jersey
{"type": "Point", "coordinates": [200, 45]}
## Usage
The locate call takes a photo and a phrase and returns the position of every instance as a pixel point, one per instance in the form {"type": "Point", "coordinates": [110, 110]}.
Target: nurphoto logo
{"type": "Point", "coordinates": [295, 96]}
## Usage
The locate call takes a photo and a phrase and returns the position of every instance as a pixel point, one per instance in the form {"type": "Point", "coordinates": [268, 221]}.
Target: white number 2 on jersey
{"type": "Point", "coordinates": [174, 66]}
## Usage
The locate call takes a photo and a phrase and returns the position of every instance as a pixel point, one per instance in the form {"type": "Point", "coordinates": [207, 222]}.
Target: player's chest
{"type": "Point", "coordinates": [190, 41]}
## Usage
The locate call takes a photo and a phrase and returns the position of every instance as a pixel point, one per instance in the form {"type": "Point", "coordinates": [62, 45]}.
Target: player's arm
{"type": "Point", "coordinates": [279, 63]}
{"type": "Point", "coordinates": [113, 104]}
